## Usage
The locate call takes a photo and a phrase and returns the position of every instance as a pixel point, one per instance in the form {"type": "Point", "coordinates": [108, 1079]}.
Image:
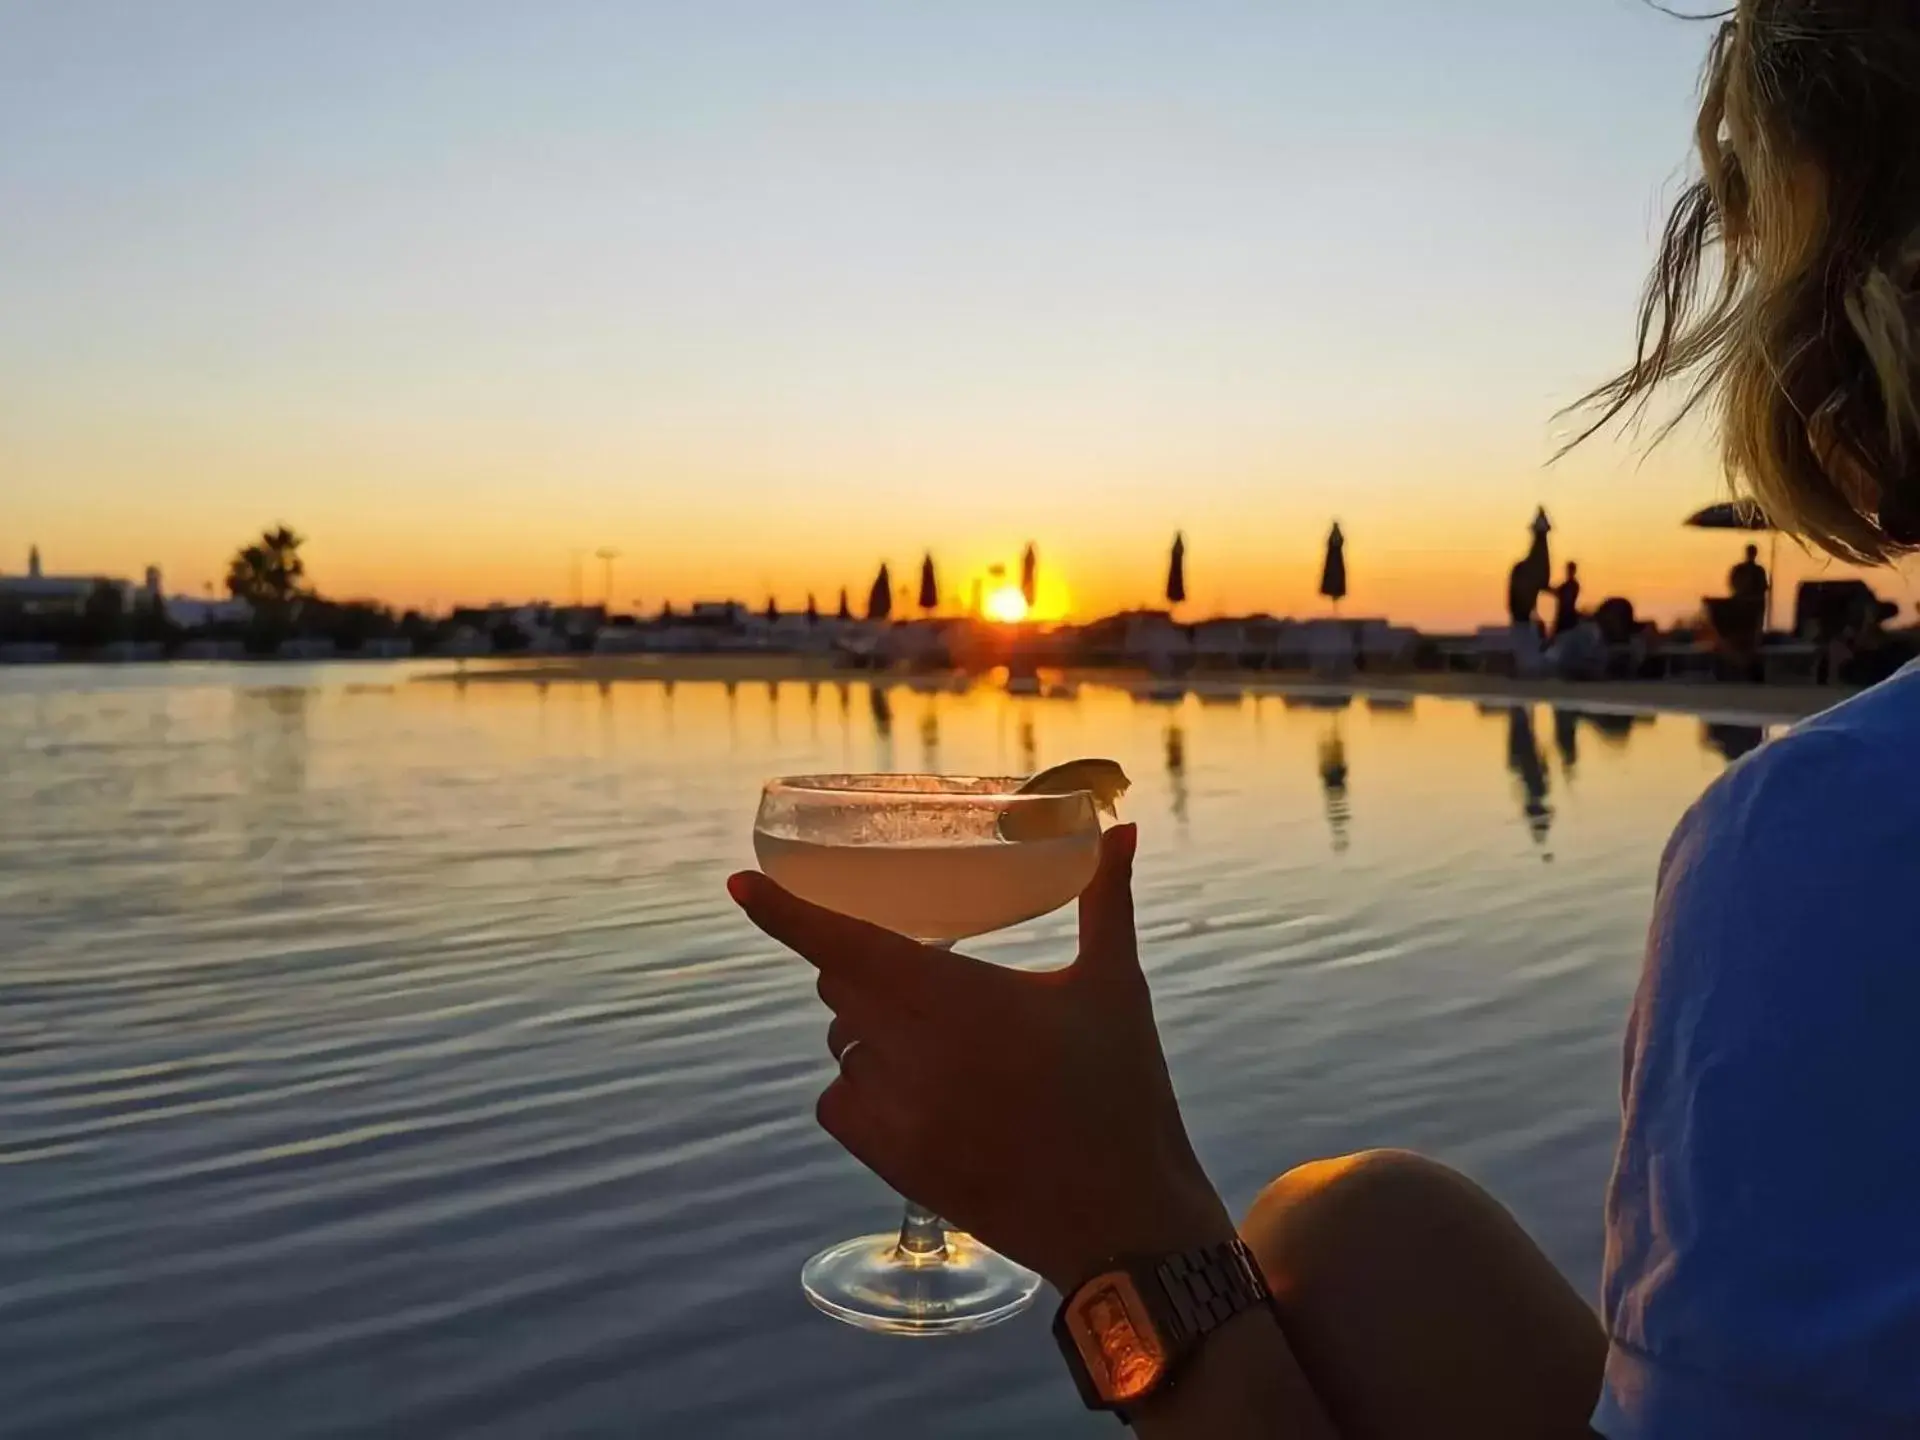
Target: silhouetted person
{"type": "Point", "coordinates": [1566, 602]}
{"type": "Point", "coordinates": [1738, 620]}
{"type": "Point", "coordinates": [1748, 579]}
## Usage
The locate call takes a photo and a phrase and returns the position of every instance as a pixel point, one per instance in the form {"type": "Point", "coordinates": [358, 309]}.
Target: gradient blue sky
{"type": "Point", "coordinates": [761, 293]}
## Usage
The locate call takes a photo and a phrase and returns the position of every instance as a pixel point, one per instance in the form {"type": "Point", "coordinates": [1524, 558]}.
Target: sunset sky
{"type": "Point", "coordinates": [763, 293]}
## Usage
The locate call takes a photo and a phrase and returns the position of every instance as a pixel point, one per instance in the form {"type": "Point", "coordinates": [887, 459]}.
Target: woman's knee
{"type": "Point", "coordinates": [1311, 1215]}
{"type": "Point", "coordinates": [1418, 1306]}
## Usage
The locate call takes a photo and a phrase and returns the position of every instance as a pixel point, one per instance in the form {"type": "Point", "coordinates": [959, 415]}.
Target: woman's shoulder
{"type": "Point", "coordinates": [1812, 840]}
{"type": "Point", "coordinates": [1832, 788]}
{"type": "Point", "coordinates": [1763, 1265]}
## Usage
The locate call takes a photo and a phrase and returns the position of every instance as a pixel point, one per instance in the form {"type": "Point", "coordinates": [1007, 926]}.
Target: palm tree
{"type": "Point", "coordinates": [269, 574]}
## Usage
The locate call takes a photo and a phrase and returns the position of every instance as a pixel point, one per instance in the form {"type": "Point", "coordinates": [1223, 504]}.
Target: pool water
{"type": "Point", "coordinates": [380, 1055]}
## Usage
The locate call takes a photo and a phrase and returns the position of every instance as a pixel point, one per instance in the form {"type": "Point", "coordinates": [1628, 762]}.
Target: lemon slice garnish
{"type": "Point", "coordinates": [1103, 780]}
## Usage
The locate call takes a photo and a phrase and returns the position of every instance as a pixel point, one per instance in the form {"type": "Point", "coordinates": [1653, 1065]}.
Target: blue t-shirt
{"type": "Point", "coordinates": [1763, 1225]}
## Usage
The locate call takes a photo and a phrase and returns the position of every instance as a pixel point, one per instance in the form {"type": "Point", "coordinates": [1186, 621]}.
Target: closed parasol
{"type": "Point", "coordinates": [1177, 572]}
{"type": "Point", "coordinates": [929, 587]}
{"type": "Point", "coordinates": [1333, 574]}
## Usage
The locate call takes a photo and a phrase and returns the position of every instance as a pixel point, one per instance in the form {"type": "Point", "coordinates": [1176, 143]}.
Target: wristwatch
{"type": "Point", "coordinates": [1127, 1331]}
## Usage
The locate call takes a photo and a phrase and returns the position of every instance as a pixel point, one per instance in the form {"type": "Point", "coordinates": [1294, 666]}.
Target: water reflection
{"type": "Point", "coordinates": [1177, 770]}
{"type": "Point", "coordinates": [1566, 737]}
{"type": "Point", "coordinates": [1333, 782]}
{"type": "Point", "coordinates": [1525, 761]}
{"type": "Point", "coordinates": [272, 722]}
{"type": "Point", "coordinates": [1615, 727]}
{"type": "Point", "coordinates": [930, 740]}
{"type": "Point", "coordinates": [1730, 742]}
{"type": "Point", "coordinates": [880, 708]}
{"type": "Point", "coordinates": [1331, 700]}
{"type": "Point", "coordinates": [1029, 747]}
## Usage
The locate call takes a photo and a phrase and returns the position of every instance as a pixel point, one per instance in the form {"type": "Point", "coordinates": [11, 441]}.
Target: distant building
{"type": "Point", "coordinates": [195, 612]}
{"type": "Point", "coordinates": [37, 593]}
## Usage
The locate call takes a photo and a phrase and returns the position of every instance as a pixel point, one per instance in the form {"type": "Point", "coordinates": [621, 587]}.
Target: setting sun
{"type": "Point", "coordinates": [1007, 605]}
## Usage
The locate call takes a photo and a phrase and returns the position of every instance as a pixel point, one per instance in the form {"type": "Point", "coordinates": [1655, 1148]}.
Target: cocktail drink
{"type": "Point", "coordinates": [938, 858]}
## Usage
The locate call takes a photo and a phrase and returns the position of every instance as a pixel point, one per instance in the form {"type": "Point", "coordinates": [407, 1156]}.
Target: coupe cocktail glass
{"type": "Point", "coordinates": [939, 858]}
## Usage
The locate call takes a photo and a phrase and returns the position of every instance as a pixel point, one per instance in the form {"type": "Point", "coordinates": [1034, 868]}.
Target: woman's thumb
{"type": "Point", "coordinates": [1107, 945]}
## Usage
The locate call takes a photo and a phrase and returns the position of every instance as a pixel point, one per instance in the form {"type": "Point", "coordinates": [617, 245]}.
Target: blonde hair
{"type": "Point", "coordinates": [1787, 291]}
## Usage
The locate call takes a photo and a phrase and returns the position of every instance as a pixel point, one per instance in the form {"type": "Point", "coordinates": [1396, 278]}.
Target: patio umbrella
{"type": "Point", "coordinates": [929, 591]}
{"type": "Point", "coordinates": [1333, 575]}
{"type": "Point", "coordinates": [1730, 515]}
{"type": "Point", "coordinates": [846, 610]}
{"type": "Point", "coordinates": [1742, 515]}
{"type": "Point", "coordinates": [1029, 576]}
{"type": "Point", "coordinates": [1177, 572]}
{"type": "Point", "coordinates": [880, 597]}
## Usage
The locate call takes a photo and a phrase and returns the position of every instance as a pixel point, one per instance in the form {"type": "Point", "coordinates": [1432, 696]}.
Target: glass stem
{"type": "Point", "coordinates": [923, 1234]}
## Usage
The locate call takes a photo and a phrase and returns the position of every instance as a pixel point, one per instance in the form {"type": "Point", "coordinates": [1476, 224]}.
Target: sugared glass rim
{"type": "Point", "coordinates": [875, 786]}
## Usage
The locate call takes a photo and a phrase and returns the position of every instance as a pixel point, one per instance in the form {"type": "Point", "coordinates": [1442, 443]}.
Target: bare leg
{"type": "Point", "coordinates": [1418, 1307]}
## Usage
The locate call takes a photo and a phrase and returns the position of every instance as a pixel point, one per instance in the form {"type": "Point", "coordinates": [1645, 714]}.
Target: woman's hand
{"type": "Point", "coordinates": [1032, 1110]}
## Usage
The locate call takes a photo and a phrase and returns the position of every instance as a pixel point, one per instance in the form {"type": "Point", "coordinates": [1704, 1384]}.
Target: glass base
{"type": "Point", "coordinates": [875, 1284]}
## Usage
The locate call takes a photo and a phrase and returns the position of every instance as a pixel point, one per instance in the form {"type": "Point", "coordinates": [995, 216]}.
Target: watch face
{"type": "Point", "coordinates": [1116, 1338]}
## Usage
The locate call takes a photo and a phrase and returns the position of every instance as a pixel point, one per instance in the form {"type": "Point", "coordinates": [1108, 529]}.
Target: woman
{"type": "Point", "coordinates": [1763, 1223]}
